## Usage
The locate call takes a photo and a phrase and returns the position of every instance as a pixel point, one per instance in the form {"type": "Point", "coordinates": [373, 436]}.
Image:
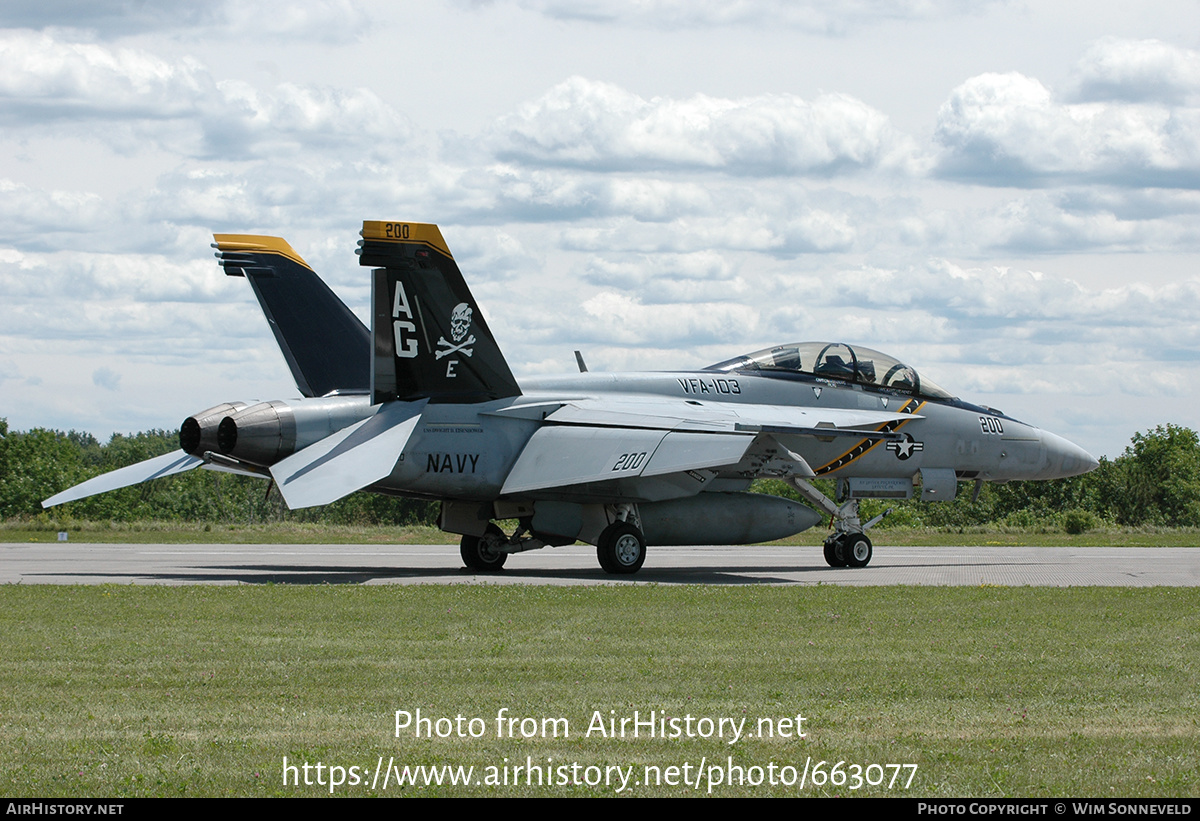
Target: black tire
{"type": "Point", "coordinates": [482, 553]}
{"type": "Point", "coordinates": [857, 550]}
{"type": "Point", "coordinates": [622, 549]}
{"type": "Point", "coordinates": [835, 553]}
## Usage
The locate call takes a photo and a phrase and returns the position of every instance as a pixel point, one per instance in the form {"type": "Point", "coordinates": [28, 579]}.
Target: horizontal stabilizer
{"type": "Point", "coordinates": [349, 460]}
{"type": "Point", "coordinates": [166, 465]}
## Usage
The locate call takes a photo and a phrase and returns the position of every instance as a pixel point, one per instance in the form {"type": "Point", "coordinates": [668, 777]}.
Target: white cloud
{"type": "Point", "coordinates": [508, 191]}
{"type": "Point", "coordinates": [1043, 223]}
{"type": "Point", "coordinates": [278, 195]}
{"type": "Point", "coordinates": [47, 280]}
{"type": "Point", "coordinates": [800, 229]}
{"type": "Point", "coordinates": [326, 20]}
{"type": "Point", "coordinates": [816, 16]}
{"type": "Point", "coordinates": [1009, 129]}
{"type": "Point", "coordinates": [106, 378]}
{"type": "Point", "coordinates": [109, 15]}
{"type": "Point", "coordinates": [703, 276]}
{"type": "Point", "coordinates": [946, 289]}
{"type": "Point", "coordinates": [1137, 71]}
{"type": "Point", "coordinates": [9, 372]}
{"type": "Point", "coordinates": [621, 319]}
{"type": "Point", "coordinates": [588, 124]}
{"type": "Point", "coordinates": [242, 121]}
{"type": "Point", "coordinates": [40, 218]}
{"type": "Point", "coordinates": [178, 106]}
{"type": "Point", "coordinates": [45, 78]}
{"type": "Point", "coordinates": [331, 21]}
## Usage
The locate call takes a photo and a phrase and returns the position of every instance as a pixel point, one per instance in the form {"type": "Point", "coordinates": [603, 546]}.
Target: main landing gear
{"type": "Point", "coordinates": [620, 545]}
{"type": "Point", "coordinates": [622, 548]}
{"type": "Point", "coordinates": [485, 553]}
{"type": "Point", "coordinates": [848, 545]}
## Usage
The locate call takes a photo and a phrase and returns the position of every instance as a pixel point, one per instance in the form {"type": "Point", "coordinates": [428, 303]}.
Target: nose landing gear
{"type": "Point", "coordinates": [848, 550]}
{"type": "Point", "coordinates": [849, 545]}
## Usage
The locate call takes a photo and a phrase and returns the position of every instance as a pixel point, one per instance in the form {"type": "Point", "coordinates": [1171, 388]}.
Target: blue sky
{"type": "Point", "coordinates": [1006, 195]}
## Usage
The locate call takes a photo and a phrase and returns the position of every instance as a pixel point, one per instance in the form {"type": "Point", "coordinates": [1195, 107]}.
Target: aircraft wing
{"type": "Point", "coordinates": [591, 440]}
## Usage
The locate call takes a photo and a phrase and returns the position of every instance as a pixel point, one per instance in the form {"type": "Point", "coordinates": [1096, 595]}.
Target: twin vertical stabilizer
{"type": "Point", "coordinates": [324, 343]}
{"type": "Point", "coordinates": [430, 338]}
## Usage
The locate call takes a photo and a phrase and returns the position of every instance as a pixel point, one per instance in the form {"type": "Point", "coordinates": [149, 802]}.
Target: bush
{"type": "Point", "coordinates": [1078, 521]}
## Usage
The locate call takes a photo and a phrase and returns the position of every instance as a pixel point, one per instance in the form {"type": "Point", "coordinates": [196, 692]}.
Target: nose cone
{"type": "Point", "coordinates": [1065, 458]}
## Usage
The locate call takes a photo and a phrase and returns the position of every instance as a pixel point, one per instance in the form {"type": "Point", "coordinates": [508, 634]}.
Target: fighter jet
{"type": "Point", "coordinates": [424, 405]}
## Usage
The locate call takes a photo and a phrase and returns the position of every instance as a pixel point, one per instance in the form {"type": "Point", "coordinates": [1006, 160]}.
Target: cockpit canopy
{"type": "Point", "coordinates": [836, 360]}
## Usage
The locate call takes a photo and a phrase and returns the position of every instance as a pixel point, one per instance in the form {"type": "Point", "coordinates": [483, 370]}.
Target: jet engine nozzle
{"type": "Point", "coordinates": [263, 434]}
{"type": "Point", "coordinates": [198, 433]}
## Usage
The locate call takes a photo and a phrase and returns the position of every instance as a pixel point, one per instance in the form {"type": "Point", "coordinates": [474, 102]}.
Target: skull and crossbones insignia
{"type": "Point", "coordinates": [460, 324]}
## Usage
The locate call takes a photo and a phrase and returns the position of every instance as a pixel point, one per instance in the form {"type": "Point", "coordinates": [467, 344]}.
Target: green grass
{"type": "Point", "coordinates": [130, 691]}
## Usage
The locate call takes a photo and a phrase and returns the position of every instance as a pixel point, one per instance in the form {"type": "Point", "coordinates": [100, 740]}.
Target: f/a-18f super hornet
{"type": "Point", "coordinates": [424, 405]}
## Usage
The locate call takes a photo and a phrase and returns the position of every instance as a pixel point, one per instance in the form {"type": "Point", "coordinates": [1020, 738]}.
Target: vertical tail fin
{"type": "Point", "coordinates": [326, 346]}
{"type": "Point", "coordinates": [431, 340]}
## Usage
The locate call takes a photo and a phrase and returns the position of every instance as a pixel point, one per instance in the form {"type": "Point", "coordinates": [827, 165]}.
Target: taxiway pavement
{"type": "Point", "coordinates": [174, 564]}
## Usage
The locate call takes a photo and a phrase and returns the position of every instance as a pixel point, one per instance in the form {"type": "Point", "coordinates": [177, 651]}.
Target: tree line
{"type": "Point", "coordinates": [38, 463]}
{"type": "Point", "coordinates": [1156, 481]}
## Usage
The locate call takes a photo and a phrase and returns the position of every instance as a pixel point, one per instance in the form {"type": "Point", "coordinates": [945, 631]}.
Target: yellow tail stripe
{"type": "Point", "coordinates": [423, 232]}
{"type": "Point", "coordinates": [251, 243]}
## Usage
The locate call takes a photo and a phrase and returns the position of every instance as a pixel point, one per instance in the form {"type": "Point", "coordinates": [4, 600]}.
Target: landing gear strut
{"type": "Point", "coordinates": [848, 545]}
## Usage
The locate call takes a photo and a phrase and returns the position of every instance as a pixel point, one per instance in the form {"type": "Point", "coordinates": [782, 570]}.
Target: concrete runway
{"type": "Point", "coordinates": [83, 563]}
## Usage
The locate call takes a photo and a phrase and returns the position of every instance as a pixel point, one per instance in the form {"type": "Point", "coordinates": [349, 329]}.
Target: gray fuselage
{"type": "Point", "coordinates": [467, 451]}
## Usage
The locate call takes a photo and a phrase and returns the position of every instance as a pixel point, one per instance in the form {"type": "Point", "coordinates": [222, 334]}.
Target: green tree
{"type": "Point", "coordinates": [33, 465]}
{"type": "Point", "coordinates": [1161, 471]}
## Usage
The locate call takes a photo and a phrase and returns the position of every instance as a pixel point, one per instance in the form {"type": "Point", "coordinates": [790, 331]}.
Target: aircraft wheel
{"type": "Point", "coordinates": [622, 548]}
{"type": "Point", "coordinates": [483, 553]}
{"type": "Point", "coordinates": [835, 552]}
{"type": "Point", "coordinates": [857, 550]}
